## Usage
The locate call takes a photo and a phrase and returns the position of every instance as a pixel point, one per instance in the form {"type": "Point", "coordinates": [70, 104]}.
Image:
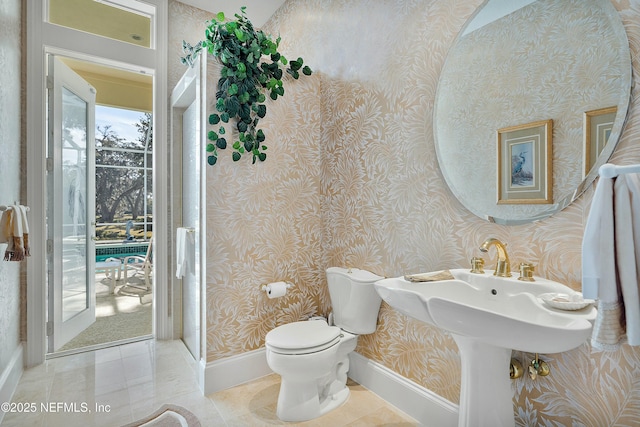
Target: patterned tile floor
{"type": "Point", "coordinates": [114, 386]}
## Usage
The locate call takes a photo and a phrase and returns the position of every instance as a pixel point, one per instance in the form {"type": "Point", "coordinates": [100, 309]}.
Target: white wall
{"type": "Point", "coordinates": [10, 157]}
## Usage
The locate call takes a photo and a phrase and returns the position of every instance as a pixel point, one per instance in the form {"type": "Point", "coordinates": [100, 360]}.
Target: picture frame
{"type": "Point", "coordinates": [525, 166]}
{"type": "Point", "coordinates": [597, 129]}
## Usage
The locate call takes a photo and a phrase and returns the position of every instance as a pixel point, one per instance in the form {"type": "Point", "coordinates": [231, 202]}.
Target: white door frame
{"type": "Point", "coordinates": [191, 88]}
{"type": "Point", "coordinates": [47, 38]}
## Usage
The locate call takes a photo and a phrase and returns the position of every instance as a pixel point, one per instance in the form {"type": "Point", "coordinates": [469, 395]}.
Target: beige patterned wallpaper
{"type": "Point", "coordinates": [352, 179]}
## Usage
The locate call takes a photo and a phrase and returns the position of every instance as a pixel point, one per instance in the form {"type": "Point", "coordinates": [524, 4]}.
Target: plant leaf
{"type": "Point", "coordinates": [245, 79]}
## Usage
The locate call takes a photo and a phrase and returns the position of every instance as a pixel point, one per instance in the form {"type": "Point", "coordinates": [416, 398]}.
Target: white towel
{"type": "Point", "coordinates": [6, 232]}
{"type": "Point", "coordinates": [627, 223]}
{"type": "Point", "coordinates": [6, 229]}
{"type": "Point", "coordinates": [610, 261]}
{"type": "Point", "coordinates": [18, 247]}
{"type": "Point", "coordinates": [598, 260]}
{"type": "Point", "coordinates": [181, 252]}
{"type": "Point", "coordinates": [25, 231]}
{"type": "Point", "coordinates": [12, 232]}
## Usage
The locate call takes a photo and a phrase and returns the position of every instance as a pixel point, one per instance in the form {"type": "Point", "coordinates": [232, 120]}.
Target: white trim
{"type": "Point", "coordinates": [232, 371]}
{"type": "Point", "coordinates": [10, 376]}
{"type": "Point", "coordinates": [36, 171]}
{"type": "Point", "coordinates": [41, 40]}
{"type": "Point", "coordinates": [163, 314]}
{"type": "Point", "coordinates": [190, 88]}
{"type": "Point", "coordinates": [416, 401]}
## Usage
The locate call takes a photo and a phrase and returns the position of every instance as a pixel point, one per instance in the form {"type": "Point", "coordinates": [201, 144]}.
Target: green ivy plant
{"type": "Point", "coordinates": [251, 67]}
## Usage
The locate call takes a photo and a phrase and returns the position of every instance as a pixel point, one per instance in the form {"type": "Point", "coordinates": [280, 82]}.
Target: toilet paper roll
{"type": "Point", "coordinates": [277, 289]}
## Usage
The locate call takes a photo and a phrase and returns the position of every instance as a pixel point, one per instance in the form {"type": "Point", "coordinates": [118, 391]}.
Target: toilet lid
{"type": "Point", "coordinates": [304, 335]}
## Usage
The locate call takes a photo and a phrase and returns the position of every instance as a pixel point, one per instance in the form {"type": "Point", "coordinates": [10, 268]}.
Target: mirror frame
{"type": "Point", "coordinates": [569, 195]}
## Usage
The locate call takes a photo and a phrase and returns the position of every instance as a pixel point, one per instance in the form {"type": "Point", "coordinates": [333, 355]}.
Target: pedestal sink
{"type": "Point", "coordinates": [488, 317]}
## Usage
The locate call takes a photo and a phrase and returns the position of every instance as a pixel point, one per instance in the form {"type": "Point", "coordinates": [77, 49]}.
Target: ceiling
{"type": "Point", "coordinates": [258, 11]}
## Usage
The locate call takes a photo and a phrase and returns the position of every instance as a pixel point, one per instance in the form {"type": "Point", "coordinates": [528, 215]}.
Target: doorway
{"type": "Point", "coordinates": [188, 108]}
{"type": "Point", "coordinates": [100, 201]}
{"type": "Point", "coordinates": [48, 37]}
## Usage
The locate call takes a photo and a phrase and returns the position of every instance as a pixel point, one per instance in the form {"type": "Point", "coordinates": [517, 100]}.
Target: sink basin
{"type": "Point", "coordinates": [504, 312]}
{"type": "Point", "coordinates": [488, 317]}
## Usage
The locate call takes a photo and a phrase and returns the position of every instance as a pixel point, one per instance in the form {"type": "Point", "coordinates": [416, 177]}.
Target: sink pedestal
{"type": "Point", "coordinates": [486, 398]}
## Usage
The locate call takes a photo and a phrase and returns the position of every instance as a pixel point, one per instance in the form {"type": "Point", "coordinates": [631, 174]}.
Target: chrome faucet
{"type": "Point", "coordinates": [503, 268]}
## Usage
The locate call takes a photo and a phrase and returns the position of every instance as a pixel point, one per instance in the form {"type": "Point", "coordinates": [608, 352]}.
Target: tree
{"type": "Point", "coordinates": [120, 173]}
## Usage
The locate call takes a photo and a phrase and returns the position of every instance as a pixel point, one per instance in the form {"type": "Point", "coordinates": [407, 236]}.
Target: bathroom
{"type": "Point", "coordinates": [352, 179]}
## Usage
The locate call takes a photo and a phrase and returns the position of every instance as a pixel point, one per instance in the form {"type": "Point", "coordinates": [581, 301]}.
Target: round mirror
{"type": "Point", "coordinates": [531, 101]}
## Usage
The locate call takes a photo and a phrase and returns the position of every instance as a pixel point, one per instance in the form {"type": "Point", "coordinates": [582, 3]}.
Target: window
{"type": "Point", "coordinates": [124, 198]}
{"type": "Point", "coordinates": [129, 21]}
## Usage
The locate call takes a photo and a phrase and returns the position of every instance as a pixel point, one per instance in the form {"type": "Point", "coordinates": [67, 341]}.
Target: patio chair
{"type": "Point", "coordinates": [135, 263]}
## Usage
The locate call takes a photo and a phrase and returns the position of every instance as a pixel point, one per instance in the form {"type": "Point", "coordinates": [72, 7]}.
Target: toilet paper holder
{"type": "Point", "coordinates": [265, 288]}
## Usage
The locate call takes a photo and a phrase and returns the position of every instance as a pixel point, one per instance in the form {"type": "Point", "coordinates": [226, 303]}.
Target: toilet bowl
{"type": "Point", "coordinates": [312, 357]}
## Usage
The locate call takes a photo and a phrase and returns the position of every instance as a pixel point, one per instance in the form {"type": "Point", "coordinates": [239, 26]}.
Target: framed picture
{"type": "Point", "coordinates": [525, 164]}
{"type": "Point", "coordinates": [597, 129]}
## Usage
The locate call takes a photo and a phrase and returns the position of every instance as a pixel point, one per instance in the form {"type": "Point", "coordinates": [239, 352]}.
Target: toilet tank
{"type": "Point", "coordinates": [354, 300]}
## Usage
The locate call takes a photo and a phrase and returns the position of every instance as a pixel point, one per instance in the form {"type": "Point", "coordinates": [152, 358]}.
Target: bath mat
{"type": "Point", "coordinates": [168, 416]}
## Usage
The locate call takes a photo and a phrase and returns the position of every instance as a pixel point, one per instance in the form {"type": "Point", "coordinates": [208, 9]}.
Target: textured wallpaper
{"type": "Point", "coordinates": [352, 179]}
{"type": "Point", "coordinates": [10, 143]}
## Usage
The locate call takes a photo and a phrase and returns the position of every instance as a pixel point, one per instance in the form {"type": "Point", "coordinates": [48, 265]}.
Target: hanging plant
{"type": "Point", "coordinates": [251, 68]}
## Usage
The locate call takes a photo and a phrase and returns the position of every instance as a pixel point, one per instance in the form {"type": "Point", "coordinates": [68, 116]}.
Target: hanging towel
{"type": "Point", "coordinates": [610, 261]}
{"type": "Point", "coordinates": [6, 232]}
{"type": "Point", "coordinates": [181, 252]}
{"type": "Point", "coordinates": [25, 231]}
{"type": "Point", "coordinates": [627, 224]}
{"type": "Point", "coordinates": [18, 248]}
{"type": "Point", "coordinates": [14, 231]}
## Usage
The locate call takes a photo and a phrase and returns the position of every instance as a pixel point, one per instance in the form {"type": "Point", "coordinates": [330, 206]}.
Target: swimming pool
{"type": "Point", "coordinates": [120, 250]}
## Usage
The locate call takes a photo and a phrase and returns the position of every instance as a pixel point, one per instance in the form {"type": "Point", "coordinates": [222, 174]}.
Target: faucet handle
{"type": "Point", "coordinates": [526, 272]}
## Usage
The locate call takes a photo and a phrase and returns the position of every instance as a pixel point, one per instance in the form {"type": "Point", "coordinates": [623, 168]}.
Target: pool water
{"type": "Point", "coordinates": [120, 250]}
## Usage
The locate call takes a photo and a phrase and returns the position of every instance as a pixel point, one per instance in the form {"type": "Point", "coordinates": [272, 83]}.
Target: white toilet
{"type": "Point", "coordinates": [312, 357]}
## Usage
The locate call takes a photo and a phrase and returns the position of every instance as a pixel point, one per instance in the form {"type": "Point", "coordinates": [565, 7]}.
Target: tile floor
{"type": "Point", "coordinates": [114, 386]}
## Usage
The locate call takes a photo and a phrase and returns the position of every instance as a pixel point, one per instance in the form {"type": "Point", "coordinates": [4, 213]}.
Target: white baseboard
{"type": "Point", "coordinates": [232, 371]}
{"type": "Point", "coordinates": [423, 405]}
{"type": "Point", "coordinates": [10, 376]}
{"type": "Point", "coordinates": [426, 407]}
